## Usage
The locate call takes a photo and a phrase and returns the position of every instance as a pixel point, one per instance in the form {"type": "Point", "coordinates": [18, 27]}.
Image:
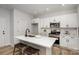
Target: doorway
{"type": "Point", "coordinates": [4, 32]}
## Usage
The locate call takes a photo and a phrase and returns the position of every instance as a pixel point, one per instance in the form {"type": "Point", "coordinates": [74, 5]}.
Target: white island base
{"type": "Point", "coordinates": [43, 50]}
{"type": "Point", "coordinates": [49, 51]}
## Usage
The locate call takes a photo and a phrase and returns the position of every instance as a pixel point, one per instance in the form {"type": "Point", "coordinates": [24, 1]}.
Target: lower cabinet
{"type": "Point", "coordinates": [69, 42]}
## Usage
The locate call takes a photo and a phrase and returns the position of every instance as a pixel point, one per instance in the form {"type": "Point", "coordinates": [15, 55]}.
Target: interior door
{"type": "Point", "coordinates": [4, 32]}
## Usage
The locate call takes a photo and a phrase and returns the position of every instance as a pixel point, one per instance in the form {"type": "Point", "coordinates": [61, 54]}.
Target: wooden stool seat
{"type": "Point", "coordinates": [30, 50]}
{"type": "Point", "coordinates": [19, 48]}
{"type": "Point", "coordinates": [20, 45]}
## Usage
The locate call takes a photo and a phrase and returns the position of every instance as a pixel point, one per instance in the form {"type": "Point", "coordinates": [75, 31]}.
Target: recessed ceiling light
{"type": "Point", "coordinates": [63, 4]}
{"type": "Point", "coordinates": [47, 9]}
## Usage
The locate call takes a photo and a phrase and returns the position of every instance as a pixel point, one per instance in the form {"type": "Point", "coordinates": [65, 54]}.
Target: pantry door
{"type": "Point", "coordinates": [4, 32]}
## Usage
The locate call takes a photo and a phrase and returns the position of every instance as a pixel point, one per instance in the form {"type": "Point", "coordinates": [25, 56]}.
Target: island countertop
{"type": "Point", "coordinates": [41, 40]}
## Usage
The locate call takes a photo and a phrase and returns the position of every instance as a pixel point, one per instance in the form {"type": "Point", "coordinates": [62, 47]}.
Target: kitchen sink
{"type": "Point", "coordinates": [30, 36]}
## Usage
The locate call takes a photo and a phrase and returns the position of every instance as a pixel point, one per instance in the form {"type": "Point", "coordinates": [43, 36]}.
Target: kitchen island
{"type": "Point", "coordinates": [43, 41]}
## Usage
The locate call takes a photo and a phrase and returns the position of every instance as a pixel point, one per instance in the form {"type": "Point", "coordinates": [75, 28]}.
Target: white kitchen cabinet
{"type": "Point", "coordinates": [42, 23]}
{"type": "Point", "coordinates": [45, 22]}
{"type": "Point", "coordinates": [63, 41]}
{"type": "Point", "coordinates": [74, 43]}
{"type": "Point", "coordinates": [69, 42]}
{"type": "Point", "coordinates": [55, 19]}
{"type": "Point", "coordinates": [69, 20]}
{"type": "Point", "coordinates": [51, 19]}
{"type": "Point", "coordinates": [36, 20]}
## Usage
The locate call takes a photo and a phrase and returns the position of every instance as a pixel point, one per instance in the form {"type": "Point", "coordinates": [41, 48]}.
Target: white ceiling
{"type": "Point", "coordinates": [39, 9]}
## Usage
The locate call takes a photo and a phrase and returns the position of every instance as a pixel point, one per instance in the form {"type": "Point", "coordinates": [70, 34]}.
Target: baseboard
{"type": "Point", "coordinates": [4, 46]}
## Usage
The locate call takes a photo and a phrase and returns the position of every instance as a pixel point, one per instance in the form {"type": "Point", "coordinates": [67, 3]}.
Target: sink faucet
{"type": "Point", "coordinates": [26, 32]}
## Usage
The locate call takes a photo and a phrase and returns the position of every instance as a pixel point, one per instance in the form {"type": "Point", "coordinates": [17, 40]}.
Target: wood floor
{"type": "Point", "coordinates": [8, 50]}
{"type": "Point", "coordinates": [59, 50]}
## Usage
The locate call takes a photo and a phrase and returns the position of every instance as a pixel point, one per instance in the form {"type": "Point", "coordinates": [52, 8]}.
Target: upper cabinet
{"type": "Point", "coordinates": [69, 20]}
{"type": "Point", "coordinates": [55, 19]}
{"type": "Point", "coordinates": [36, 20]}
{"type": "Point", "coordinates": [45, 22]}
{"type": "Point", "coordinates": [65, 21]}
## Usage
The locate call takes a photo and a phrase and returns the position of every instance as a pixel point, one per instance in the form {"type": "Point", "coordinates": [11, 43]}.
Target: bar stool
{"type": "Point", "coordinates": [19, 48]}
{"type": "Point", "coordinates": [30, 51]}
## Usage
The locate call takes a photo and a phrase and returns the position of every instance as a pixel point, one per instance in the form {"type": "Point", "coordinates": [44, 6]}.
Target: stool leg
{"type": "Point", "coordinates": [38, 53]}
{"type": "Point", "coordinates": [21, 51]}
{"type": "Point", "coordinates": [14, 51]}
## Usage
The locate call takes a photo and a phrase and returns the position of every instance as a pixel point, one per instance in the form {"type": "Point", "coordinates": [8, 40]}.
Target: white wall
{"type": "Point", "coordinates": [78, 14]}
{"type": "Point", "coordinates": [5, 14]}
{"type": "Point", "coordinates": [21, 22]}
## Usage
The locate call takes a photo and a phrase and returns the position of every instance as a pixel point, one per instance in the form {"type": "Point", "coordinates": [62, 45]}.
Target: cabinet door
{"type": "Point", "coordinates": [63, 42]}
{"type": "Point", "coordinates": [51, 19]}
{"type": "Point", "coordinates": [39, 26]}
{"type": "Point", "coordinates": [46, 22]}
{"type": "Point", "coordinates": [73, 43]}
{"type": "Point", "coordinates": [35, 20]}
{"type": "Point", "coordinates": [70, 20]}
{"type": "Point", "coordinates": [42, 23]}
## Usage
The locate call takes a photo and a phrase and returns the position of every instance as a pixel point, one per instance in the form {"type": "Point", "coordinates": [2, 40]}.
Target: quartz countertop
{"type": "Point", "coordinates": [38, 40]}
